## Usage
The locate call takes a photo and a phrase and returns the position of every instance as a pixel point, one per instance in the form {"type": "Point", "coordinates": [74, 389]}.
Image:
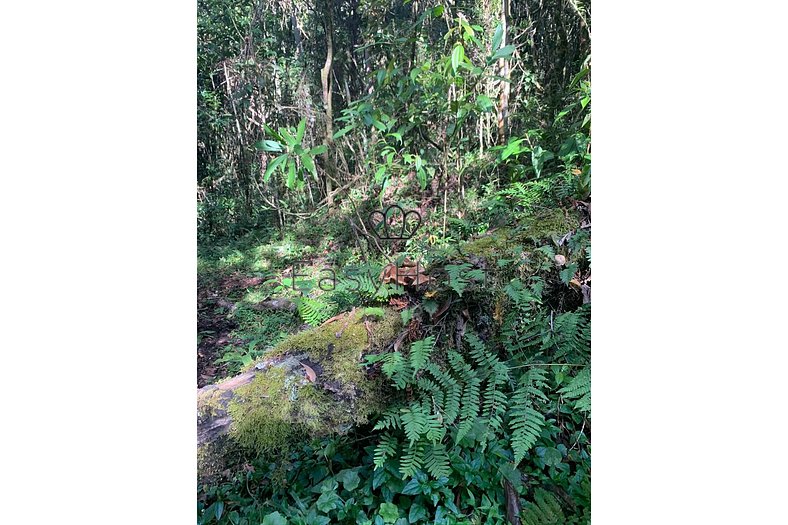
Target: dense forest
{"type": "Point", "coordinates": [394, 262]}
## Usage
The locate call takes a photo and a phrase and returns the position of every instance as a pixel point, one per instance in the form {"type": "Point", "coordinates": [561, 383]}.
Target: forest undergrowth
{"type": "Point", "coordinates": [413, 181]}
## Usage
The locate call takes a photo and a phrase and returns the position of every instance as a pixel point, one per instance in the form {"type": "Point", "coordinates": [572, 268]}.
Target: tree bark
{"type": "Point", "coordinates": [325, 79]}
{"type": "Point", "coordinates": [503, 110]}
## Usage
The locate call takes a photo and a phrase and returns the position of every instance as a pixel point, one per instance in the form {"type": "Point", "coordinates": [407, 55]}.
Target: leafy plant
{"type": "Point", "coordinates": [295, 158]}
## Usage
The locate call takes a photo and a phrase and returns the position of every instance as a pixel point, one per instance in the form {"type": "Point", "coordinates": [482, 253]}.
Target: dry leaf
{"type": "Point", "coordinates": [310, 374]}
{"type": "Point", "coordinates": [408, 274]}
{"type": "Point", "coordinates": [442, 309]}
{"type": "Point", "coordinates": [574, 283]}
{"type": "Point", "coordinates": [399, 303]}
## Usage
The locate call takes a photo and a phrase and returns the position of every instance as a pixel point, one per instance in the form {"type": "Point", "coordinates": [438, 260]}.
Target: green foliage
{"type": "Point", "coordinates": [420, 353]}
{"type": "Point", "coordinates": [314, 310]}
{"type": "Point", "coordinates": [579, 390]}
{"type": "Point", "coordinates": [543, 510]}
{"type": "Point", "coordinates": [526, 422]}
{"type": "Point", "coordinates": [461, 275]}
{"type": "Point", "coordinates": [295, 160]}
{"type": "Point", "coordinates": [464, 396]}
{"type": "Point", "coordinates": [498, 386]}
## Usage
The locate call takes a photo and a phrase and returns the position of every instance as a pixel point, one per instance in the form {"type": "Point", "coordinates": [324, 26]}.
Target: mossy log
{"type": "Point", "coordinates": [311, 384]}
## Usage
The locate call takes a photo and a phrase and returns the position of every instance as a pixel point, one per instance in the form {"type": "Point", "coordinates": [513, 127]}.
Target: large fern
{"type": "Point", "coordinates": [420, 352]}
{"type": "Point", "coordinates": [543, 510]}
{"type": "Point", "coordinates": [496, 374]}
{"type": "Point", "coordinates": [579, 390]}
{"type": "Point", "coordinates": [314, 310]}
{"type": "Point", "coordinates": [525, 421]}
{"type": "Point", "coordinates": [472, 392]}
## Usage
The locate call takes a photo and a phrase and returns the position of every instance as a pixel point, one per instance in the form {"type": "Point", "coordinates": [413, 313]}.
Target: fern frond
{"type": "Point", "coordinates": [387, 447]}
{"type": "Point", "coordinates": [435, 428]}
{"type": "Point", "coordinates": [525, 422]}
{"type": "Point", "coordinates": [496, 373]}
{"type": "Point", "coordinates": [389, 420]}
{"type": "Point", "coordinates": [412, 460]}
{"type": "Point", "coordinates": [470, 394]}
{"type": "Point", "coordinates": [420, 352]}
{"type": "Point", "coordinates": [494, 406]}
{"type": "Point", "coordinates": [544, 510]}
{"type": "Point", "coordinates": [436, 461]}
{"type": "Point", "coordinates": [452, 393]}
{"type": "Point", "coordinates": [458, 276]}
{"type": "Point", "coordinates": [314, 311]}
{"type": "Point", "coordinates": [579, 389]}
{"type": "Point", "coordinates": [414, 421]}
{"type": "Point", "coordinates": [433, 391]}
{"type": "Point", "coordinates": [395, 368]}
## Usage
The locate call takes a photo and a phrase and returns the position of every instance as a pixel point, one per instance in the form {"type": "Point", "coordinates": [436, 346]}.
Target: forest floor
{"type": "Point", "coordinates": [232, 328]}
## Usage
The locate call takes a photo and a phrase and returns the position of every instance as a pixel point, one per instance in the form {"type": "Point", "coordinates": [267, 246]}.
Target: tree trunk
{"type": "Point", "coordinates": [503, 111]}
{"type": "Point", "coordinates": [325, 79]}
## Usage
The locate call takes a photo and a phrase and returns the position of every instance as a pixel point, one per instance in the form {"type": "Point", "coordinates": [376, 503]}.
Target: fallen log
{"type": "Point", "coordinates": [309, 385]}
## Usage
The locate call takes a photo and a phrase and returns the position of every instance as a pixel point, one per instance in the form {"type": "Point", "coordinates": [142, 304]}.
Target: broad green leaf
{"type": "Point", "coordinates": [468, 30]}
{"type": "Point", "coordinates": [430, 306]}
{"type": "Point", "coordinates": [219, 509]}
{"type": "Point", "coordinates": [437, 11]}
{"type": "Point", "coordinates": [273, 166]}
{"type": "Point", "coordinates": [273, 133]}
{"type": "Point", "coordinates": [349, 479]}
{"type": "Point", "coordinates": [379, 477]}
{"type": "Point", "coordinates": [342, 132]}
{"type": "Point", "coordinates": [512, 148]}
{"type": "Point", "coordinates": [484, 103]}
{"type": "Point", "coordinates": [291, 174]}
{"type": "Point", "coordinates": [379, 174]}
{"type": "Point", "coordinates": [309, 164]}
{"type": "Point", "coordinates": [327, 501]}
{"type": "Point", "coordinates": [552, 456]}
{"type": "Point", "coordinates": [289, 138]}
{"type": "Point", "coordinates": [396, 135]}
{"type": "Point", "coordinates": [422, 176]}
{"type": "Point", "coordinates": [274, 519]}
{"type": "Point", "coordinates": [417, 512]}
{"type": "Point", "coordinates": [389, 512]}
{"type": "Point", "coordinates": [268, 145]}
{"type": "Point", "coordinates": [457, 54]}
{"type": "Point", "coordinates": [318, 150]}
{"type": "Point", "coordinates": [504, 52]}
{"type": "Point", "coordinates": [497, 37]}
{"type": "Point", "coordinates": [539, 157]}
{"type": "Point", "coordinates": [300, 131]}
{"type": "Point", "coordinates": [412, 488]}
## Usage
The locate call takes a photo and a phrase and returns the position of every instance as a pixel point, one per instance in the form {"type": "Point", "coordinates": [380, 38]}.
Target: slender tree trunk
{"type": "Point", "coordinates": [325, 78]}
{"type": "Point", "coordinates": [503, 111]}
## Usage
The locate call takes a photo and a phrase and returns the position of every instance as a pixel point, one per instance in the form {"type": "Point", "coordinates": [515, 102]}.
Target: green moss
{"type": "Point", "coordinates": [280, 405]}
{"type": "Point", "coordinates": [491, 245]}
{"type": "Point", "coordinates": [211, 403]}
{"type": "Point", "coordinates": [322, 343]}
{"type": "Point", "coordinates": [549, 224]}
